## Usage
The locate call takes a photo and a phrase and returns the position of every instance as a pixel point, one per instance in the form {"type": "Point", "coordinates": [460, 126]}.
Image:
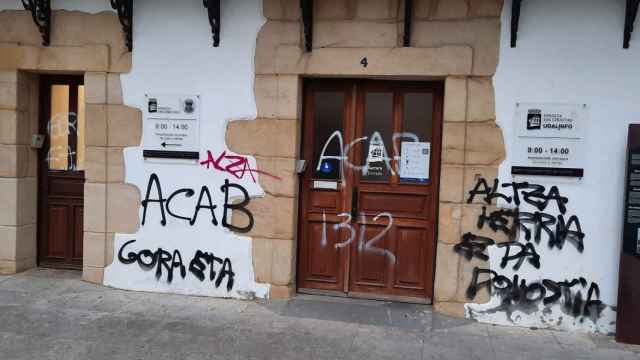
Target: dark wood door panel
{"type": "Point", "coordinates": [66, 186]}
{"type": "Point", "coordinates": [399, 204]}
{"type": "Point", "coordinates": [329, 200]}
{"type": "Point", "coordinates": [58, 215]}
{"type": "Point", "coordinates": [322, 256]}
{"type": "Point", "coordinates": [373, 256]}
{"type": "Point", "coordinates": [60, 172]}
{"type": "Point", "coordinates": [411, 258]}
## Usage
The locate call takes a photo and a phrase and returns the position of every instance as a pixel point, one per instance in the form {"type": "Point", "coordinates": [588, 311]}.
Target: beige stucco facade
{"type": "Point", "coordinates": [455, 41]}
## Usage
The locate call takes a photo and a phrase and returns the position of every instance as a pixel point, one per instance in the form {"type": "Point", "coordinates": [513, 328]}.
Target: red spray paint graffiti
{"type": "Point", "coordinates": [236, 165]}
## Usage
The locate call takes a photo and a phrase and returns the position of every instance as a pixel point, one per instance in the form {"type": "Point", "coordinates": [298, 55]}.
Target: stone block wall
{"type": "Point", "coordinates": [18, 171]}
{"type": "Point", "coordinates": [455, 41]}
{"type": "Point", "coordinates": [81, 43]}
{"type": "Point", "coordinates": [111, 205]}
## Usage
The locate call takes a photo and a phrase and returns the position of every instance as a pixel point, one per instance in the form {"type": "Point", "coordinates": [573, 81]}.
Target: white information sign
{"type": "Point", "coordinates": [172, 127]}
{"type": "Point", "coordinates": [415, 161]}
{"type": "Point", "coordinates": [549, 139]}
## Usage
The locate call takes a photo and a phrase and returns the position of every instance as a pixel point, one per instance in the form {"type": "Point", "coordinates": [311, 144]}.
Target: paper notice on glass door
{"type": "Point", "coordinates": [414, 161]}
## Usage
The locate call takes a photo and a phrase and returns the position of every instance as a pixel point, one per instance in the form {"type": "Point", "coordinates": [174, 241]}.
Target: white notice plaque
{"type": "Point", "coordinates": [327, 185]}
{"type": "Point", "coordinates": [549, 140]}
{"type": "Point", "coordinates": [172, 127]}
{"type": "Point", "coordinates": [414, 161]}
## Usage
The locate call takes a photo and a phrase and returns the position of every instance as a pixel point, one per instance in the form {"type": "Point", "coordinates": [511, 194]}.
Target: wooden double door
{"type": "Point", "coordinates": [369, 192]}
{"type": "Point", "coordinates": [61, 172]}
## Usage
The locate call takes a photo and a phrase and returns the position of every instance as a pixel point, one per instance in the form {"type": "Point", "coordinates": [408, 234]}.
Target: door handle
{"type": "Point", "coordinates": [354, 203]}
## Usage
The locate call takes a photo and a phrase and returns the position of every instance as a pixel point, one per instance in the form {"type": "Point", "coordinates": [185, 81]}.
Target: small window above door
{"type": "Point", "coordinates": [66, 128]}
{"type": "Point", "coordinates": [329, 120]}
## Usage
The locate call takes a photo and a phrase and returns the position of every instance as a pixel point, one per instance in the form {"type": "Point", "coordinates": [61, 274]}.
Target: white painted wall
{"type": "Point", "coordinates": [173, 54]}
{"type": "Point", "coordinates": [89, 6]}
{"type": "Point", "coordinates": [570, 51]}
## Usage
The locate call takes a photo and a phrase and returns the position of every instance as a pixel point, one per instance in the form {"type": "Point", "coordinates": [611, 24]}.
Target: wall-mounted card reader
{"type": "Point", "coordinates": [301, 166]}
{"type": "Point", "coordinates": [37, 141]}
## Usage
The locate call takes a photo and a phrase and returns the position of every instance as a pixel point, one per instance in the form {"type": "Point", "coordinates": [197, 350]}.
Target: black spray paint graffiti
{"type": "Point", "coordinates": [532, 194]}
{"type": "Point", "coordinates": [475, 245]}
{"type": "Point", "coordinates": [168, 262]}
{"type": "Point", "coordinates": [516, 293]}
{"type": "Point", "coordinates": [204, 202]}
{"type": "Point", "coordinates": [514, 222]}
{"type": "Point", "coordinates": [203, 264]}
{"type": "Point", "coordinates": [558, 230]}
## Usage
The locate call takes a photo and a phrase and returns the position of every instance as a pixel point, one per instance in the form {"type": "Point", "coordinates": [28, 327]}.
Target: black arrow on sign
{"type": "Point", "coordinates": [164, 144]}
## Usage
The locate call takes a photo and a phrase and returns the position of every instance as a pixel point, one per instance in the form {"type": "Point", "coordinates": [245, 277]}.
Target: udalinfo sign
{"type": "Point", "coordinates": [549, 139]}
{"type": "Point", "coordinates": [172, 127]}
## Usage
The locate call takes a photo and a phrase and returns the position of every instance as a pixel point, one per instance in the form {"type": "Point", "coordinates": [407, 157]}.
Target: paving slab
{"type": "Point", "coordinates": [49, 314]}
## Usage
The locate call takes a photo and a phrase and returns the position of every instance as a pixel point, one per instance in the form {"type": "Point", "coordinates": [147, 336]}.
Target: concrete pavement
{"type": "Point", "coordinates": [47, 314]}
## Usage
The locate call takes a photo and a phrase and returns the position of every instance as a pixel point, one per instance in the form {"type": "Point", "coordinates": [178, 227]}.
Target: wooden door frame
{"type": "Point", "coordinates": [44, 113]}
{"type": "Point", "coordinates": [437, 87]}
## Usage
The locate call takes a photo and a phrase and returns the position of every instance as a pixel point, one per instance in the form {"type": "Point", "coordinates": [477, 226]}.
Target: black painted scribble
{"type": "Point", "coordinates": [499, 221]}
{"type": "Point", "coordinates": [241, 207]}
{"type": "Point", "coordinates": [166, 262]}
{"type": "Point", "coordinates": [532, 194]}
{"type": "Point", "coordinates": [560, 229]}
{"type": "Point", "coordinates": [204, 191]}
{"type": "Point", "coordinates": [155, 182]}
{"type": "Point", "coordinates": [532, 225]}
{"type": "Point", "coordinates": [564, 233]}
{"type": "Point", "coordinates": [525, 251]}
{"type": "Point", "coordinates": [202, 260]}
{"type": "Point", "coordinates": [517, 292]}
{"type": "Point", "coordinates": [489, 192]}
{"type": "Point", "coordinates": [205, 203]}
{"type": "Point", "coordinates": [473, 245]}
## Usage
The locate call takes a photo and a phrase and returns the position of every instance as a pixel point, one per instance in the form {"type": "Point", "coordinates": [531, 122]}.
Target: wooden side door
{"type": "Point", "coordinates": [368, 225]}
{"type": "Point", "coordinates": [61, 172]}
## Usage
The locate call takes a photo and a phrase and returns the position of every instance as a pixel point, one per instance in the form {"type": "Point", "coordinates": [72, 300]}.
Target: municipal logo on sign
{"type": "Point", "coordinates": [188, 106]}
{"type": "Point", "coordinates": [534, 119]}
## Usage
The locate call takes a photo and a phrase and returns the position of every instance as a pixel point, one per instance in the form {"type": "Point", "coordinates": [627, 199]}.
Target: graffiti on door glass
{"type": "Point", "coordinates": [376, 156]}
